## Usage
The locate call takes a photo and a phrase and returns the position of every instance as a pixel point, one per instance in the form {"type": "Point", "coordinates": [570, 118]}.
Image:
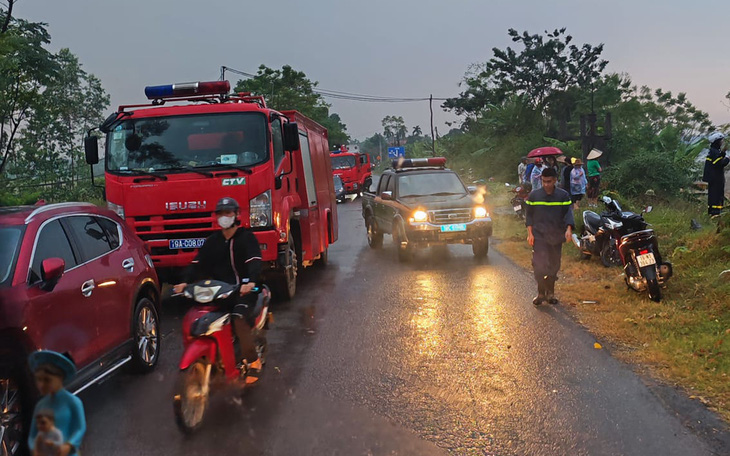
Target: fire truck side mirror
{"type": "Point", "coordinates": [91, 148]}
{"type": "Point", "coordinates": [291, 136]}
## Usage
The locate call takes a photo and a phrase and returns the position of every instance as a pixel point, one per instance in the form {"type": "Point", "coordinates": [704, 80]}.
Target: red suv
{"type": "Point", "coordinates": [74, 279]}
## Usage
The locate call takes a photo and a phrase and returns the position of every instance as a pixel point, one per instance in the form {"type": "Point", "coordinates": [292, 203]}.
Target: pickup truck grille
{"type": "Point", "coordinates": [448, 216]}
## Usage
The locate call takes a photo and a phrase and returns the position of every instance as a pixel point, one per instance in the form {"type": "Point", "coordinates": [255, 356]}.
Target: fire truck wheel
{"type": "Point", "coordinates": [287, 284]}
{"type": "Point", "coordinates": [323, 259]}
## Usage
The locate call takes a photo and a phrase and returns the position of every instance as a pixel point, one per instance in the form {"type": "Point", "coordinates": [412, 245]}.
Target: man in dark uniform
{"type": "Point", "coordinates": [714, 173]}
{"type": "Point", "coordinates": [232, 255]}
{"type": "Point", "coordinates": [549, 221]}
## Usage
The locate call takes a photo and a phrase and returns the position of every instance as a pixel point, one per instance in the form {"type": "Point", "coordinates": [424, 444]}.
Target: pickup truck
{"type": "Point", "coordinates": [422, 203]}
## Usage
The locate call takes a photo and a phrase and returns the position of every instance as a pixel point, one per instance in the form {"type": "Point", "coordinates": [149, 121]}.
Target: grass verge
{"type": "Point", "coordinates": [685, 339]}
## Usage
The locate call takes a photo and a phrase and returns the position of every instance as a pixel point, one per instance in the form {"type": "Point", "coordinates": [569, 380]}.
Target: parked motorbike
{"type": "Point", "coordinates": [209, 357]}
{"type": "Point", "coordinates": [623, 238]}
{"type": "Point", "coordinates": [518, 201]}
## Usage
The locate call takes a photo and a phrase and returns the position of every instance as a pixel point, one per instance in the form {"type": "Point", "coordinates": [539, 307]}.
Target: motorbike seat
{"type": "Point", "coordinates": [202, 324]}
{"type": "Point", "coordinates": [592, 221]}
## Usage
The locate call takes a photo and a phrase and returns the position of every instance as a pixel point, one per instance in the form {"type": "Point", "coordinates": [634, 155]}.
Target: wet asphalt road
{"type": "Point", "coordinates": [443, 356]}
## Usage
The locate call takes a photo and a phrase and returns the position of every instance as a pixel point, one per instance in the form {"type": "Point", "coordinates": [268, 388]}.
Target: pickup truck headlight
{"type": "Point", "coordinates": [116, 208]}
{"type": "Point", "coordinates": [480, 212]}
{"type": "Point", "coordinates": [260, 210]}
{"type": "Point", "coordinates": [420, 216]}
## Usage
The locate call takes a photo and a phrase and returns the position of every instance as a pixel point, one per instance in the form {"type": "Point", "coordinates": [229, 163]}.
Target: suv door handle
{"type": "Point", "coordinates": [87, 288]}
{"type": "Point", "coordinates": [128, 264]}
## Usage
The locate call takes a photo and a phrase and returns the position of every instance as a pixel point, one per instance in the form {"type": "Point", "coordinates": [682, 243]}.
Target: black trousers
{"type": "Point", "coordinates": [546, 262]}
{"type": "Point", "coordinates": [715, 196]}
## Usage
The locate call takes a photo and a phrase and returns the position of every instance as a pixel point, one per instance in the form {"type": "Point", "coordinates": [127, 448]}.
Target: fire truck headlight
{"type": "Point", "coordinates": [116, 208]}
{"type": "Point", "coordinates": [480, 212]}
{"type": "Point", "coordinates": [260, 210]}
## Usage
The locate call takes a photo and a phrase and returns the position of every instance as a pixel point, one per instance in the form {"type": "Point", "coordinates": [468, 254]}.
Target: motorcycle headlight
{"type": "Point", "coordinates": [480, 212]}
{"type": "Point", "coordinates": [260, 210]}
{"type": "Point", "coordinates": [420, 216]}
{"type": "Point", "coordinates": [204, 295]}
{"type": "Point", "coordinates": [116, 208]}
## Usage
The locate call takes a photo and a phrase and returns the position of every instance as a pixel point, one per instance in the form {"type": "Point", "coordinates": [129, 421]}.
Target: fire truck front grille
{"type": "Point", "coordinates": [195, 225]}
{"type": "Point", "coordinates": [448, 216]}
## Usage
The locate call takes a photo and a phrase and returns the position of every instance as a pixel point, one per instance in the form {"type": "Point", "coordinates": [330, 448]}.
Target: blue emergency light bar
{"type": "Point", "coordinates": [419, 162]}
{"type": "Point", "coordinates": [187, 89]}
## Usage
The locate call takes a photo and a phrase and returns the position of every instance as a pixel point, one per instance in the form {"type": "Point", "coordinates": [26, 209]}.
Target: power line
{"type": "Point", "coordinates": [339, 95]}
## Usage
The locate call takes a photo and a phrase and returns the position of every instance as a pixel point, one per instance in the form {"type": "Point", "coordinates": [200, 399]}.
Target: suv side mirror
{"type": "Point", "coordinates": [472, 189]}
{"type": "Point", "coordinates": [91, 148]}
{"type": "Point", "coordinates": [387, 196]}
{"type": "Point", "coordinates": [51, 271]}
{"type": "Point", "coordinates": [291, 136]}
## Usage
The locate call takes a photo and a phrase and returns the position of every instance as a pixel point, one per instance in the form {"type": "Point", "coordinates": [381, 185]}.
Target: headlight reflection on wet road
{"type": "Point", "coordinates": [426, 320]}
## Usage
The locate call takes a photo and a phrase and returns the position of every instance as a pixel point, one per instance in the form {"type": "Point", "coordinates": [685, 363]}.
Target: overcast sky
{"type": "Point", "coordinates": [402, 48]}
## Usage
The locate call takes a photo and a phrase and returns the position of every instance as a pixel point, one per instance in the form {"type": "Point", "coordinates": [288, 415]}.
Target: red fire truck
{"type": "Point", "coordinates": [354, 169]}
{"type": "Point", "coordinates": [168, 162]}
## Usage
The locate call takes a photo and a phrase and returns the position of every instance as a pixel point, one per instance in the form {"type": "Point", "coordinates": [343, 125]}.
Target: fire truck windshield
{"type": "Point", "coordinates": [343, 162]}
{"type": "Point", "coordinates": [178, 143]}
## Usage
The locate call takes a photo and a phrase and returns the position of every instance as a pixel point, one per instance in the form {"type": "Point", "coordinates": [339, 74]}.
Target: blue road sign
{"type": "Point", "coordinates": [395, 152]}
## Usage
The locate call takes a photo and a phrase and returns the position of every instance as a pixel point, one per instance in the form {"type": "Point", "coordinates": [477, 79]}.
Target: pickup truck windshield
{"type": "Point", "coordinates": [9, 245]}
{"type": "Point", "coordinates": [343, 162]}
{"type": "Point", "coordinates": [179, 142]}
{"type": "Point", "coordinates": [439, 183]}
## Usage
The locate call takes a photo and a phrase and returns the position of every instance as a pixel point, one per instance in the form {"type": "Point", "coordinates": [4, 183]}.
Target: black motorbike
{"type": "Point", "coordinates": [623, 238]}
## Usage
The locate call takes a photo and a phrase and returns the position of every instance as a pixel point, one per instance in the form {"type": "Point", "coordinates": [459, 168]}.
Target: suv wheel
{"type": "Point", "coordinates": [146, 336]}
{"type": "Point", "coordinates": [15, 411]}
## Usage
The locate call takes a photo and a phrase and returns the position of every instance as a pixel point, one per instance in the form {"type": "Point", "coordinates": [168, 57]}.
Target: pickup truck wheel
{"type": "Point", "coordinates": [480, 247]}
{"type": "Point", "coordinates": [375, 238]}
{"type": "Point", "coordinates": [405, 253]}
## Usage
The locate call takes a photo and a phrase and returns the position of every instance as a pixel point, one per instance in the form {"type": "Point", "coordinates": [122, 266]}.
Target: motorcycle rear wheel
{"type": "Point", "coordinates": [609, 254]}
{"type": "Point", "coordinates": [652, 283]}
{"type": "Point", "coordinates": [191, 397]}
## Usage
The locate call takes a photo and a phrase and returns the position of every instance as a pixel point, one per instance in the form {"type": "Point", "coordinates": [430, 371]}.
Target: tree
{"type": "Point", "coordinates": [288, 89]}
{"type": "Point", "coordinates": [394, 128]}
{"type": "Point", "coordinates": [546, 68]}
{"type": "Point", "coordinates": [417, 131]}
{"type": "Point", "coordinates": [72, 103]}
{"type": "Point", "coordinates": [26, 67]}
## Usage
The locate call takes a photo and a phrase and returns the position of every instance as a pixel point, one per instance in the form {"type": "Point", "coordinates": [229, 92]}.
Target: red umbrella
{"type": "Point", "coordinates": [544, 152]}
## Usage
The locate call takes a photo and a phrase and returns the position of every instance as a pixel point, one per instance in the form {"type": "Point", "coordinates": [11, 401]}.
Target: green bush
{"type": "Point", "coordinates": [644, 171]}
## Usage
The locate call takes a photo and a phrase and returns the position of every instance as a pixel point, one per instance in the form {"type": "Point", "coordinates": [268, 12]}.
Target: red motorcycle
{"type": "Point", "coordinates": [209, 358]}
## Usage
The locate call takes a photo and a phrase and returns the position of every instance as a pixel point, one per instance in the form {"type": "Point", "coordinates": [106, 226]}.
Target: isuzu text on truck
{"type": "Point", "coordinates": [354, 169]}
{"type": "Point", "coordinates": [167, 164]}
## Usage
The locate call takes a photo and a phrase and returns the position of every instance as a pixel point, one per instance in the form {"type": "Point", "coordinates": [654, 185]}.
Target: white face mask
{"type": "Point", "coordinates": [226, 222]}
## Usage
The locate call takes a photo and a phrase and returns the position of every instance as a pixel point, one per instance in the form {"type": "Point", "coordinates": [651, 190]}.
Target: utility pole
{"type": "Point", "coordinates": [433, 137]}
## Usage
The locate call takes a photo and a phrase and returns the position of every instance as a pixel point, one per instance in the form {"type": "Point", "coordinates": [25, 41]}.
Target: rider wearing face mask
{"type": "Point", "coordinates": [232, 255]}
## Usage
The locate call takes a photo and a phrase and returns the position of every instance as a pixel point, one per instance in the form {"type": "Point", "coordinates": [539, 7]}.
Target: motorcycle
{"type": "Point", "coordinates": [601, 233]}
{"type": "Point", "coordinates": [209, 357]}
{"type": "Point", "coordinates": [624, 238]}
{"type": "Point", "coordinates": [518, 201]}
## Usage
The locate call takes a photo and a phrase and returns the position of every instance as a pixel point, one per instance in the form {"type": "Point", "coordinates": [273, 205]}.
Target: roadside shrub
{"type": "Point", "coordinates": [647, 171]}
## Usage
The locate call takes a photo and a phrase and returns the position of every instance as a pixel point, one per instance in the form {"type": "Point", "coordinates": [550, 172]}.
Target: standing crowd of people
{"type": "Point", "coordinates": [577, 181]}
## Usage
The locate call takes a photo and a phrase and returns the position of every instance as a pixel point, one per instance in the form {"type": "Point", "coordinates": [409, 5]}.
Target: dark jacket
{"type": "Point", "coordinates": [228, 260]}
{"type": "Point", "coordinates": [714, 166]}
{"type": "Point", "coordinates": [565, 181]}
{"type": "Point", "coordinates": [549, 215]}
